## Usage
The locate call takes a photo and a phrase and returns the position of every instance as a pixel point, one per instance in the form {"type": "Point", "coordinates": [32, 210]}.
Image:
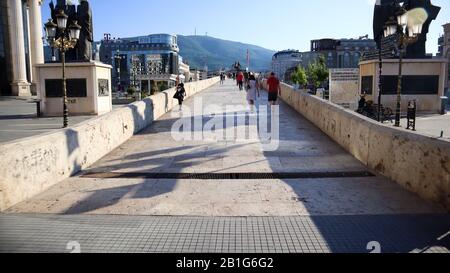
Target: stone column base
{"type": "Point", "coordinates": [33, 88]}
{"type": "Point", "coordinates": [21, 89]}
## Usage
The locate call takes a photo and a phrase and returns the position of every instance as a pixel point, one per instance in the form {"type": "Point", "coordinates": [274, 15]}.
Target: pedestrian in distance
{"type": "Point", "coordinates": [180, 94]}
{"type": "Point", "coordinates": [252, 92]}
{"type": "Point", "coordinates": [274, 88]}
{"type": "Point", "coordinates": [246, 76]}
{"type": "Point", "coordinates": [240, 80]}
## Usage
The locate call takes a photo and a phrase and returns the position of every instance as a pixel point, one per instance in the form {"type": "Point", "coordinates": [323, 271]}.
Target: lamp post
{"type": "Point", "coordinates": [118, 62]}
{"type": "Point", "coordinates": [63, 38]}
{"type": "Point", "coordinates": [380, 83]}
{"type": "Point", "coordinates": [407, 31]}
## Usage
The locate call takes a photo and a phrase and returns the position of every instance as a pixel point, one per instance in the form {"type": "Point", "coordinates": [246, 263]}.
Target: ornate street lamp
{"type": "Point", "coordinates": [408, 32]}
{"type": "Point", "coordinates": [380, 83]}
{"type": "Point", "coordinates": [118, 62]}
{"type": "Point", "coordinates": [63, 38]}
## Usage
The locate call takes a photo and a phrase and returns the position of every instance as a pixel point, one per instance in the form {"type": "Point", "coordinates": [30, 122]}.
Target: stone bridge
{"type": "Point", "coordinates": [331, 182]}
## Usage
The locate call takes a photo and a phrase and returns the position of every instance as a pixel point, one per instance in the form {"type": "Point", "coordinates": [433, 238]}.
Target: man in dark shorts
{"type": "Point", "coordinates": [274, 88]}
{"type": "Point", "coordinates": [240, 80]}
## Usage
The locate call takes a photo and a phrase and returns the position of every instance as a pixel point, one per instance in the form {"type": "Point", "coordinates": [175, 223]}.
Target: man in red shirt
{"type": "Point", "coordinates": [274, 88]}
{"type": "Point", "coordinates": [240, 80]}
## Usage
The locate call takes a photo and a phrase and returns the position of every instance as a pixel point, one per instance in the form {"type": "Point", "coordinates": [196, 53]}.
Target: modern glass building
{"type": "Point", "coordinates": [146, 61]}
{"type": "Point", "coordinates": [283, 61]}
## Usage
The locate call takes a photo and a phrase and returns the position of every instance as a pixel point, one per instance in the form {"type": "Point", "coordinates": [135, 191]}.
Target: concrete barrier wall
{"type": "Point", "coordinates": [419, 163]}
{"type": "Point", "coordinates": [29, 166]}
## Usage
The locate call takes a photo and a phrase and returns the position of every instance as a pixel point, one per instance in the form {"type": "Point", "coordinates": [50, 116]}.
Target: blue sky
{"type": "Point", "coordinates": [276, 24]}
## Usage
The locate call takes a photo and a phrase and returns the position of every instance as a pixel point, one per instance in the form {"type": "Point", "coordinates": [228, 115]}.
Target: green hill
{"type": "Point", "coordinates": [217, 53]}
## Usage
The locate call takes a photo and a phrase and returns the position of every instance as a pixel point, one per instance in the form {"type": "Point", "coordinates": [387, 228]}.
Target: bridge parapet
{"type": "Point", "coordinates": [417, 162]}
{"type": "Point", "coordinates": [31, 165]}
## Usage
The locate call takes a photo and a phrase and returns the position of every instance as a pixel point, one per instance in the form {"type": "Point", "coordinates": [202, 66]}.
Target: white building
{"type": "Point", "coordinates": [284, 60]}
{"type": "Point", "coordinates": [184, 70]}
{"type": "Point", "coordinates": [194, 75]}
{"type": "Point", "coordinates": [203, 75]}
{"type": "Point", "coordinates": [199, 75]}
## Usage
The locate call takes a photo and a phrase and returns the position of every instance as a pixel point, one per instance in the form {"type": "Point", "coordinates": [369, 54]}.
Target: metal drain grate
{"type": "Point", "coordinates": [227, 176]}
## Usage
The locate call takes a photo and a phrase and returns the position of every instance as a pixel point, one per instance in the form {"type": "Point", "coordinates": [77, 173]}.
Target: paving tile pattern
{"type": "Point", "coordinates": [150, 234]}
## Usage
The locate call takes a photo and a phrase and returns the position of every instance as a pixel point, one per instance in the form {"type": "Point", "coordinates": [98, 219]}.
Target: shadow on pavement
{"type": "Point", "coordinates": [341, 233]}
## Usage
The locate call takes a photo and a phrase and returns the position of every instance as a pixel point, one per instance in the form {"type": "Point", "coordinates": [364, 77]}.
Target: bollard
{"type": "Point", "coordinates": [38, 108]}
{"type": "Point", "coordinates": [412, 113]}
{"type": "Point", "coordinates": [444, 104]}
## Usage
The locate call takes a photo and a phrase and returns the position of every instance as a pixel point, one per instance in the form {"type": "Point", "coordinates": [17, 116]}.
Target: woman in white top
{"type": "Point", "coordinates": [252, 91]}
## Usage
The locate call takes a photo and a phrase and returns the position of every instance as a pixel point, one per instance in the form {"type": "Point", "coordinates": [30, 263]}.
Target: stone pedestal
{"type": "Point", "coordinates": [20, 89]}
{"type": "Point", "coordinates": [423, 80]}
{"type": "Point", "coordinates": [344, 87]}
{"type": "Point", "coordinates": [88, 88]}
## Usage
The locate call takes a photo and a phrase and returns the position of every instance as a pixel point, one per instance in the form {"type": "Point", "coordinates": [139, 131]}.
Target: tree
{"type": "Point", "coordinates": [299, 76]}
{"type": "Point", "coordinates": [154, 88]}
{"type": "Point", "coordinates": [318, 71]}
{"type": "Point", "coordinates": [162, 86]}
{"type": "Point", "coordinates": [145, 93]}
{"type": "Point", "coordinates": [131, 90]}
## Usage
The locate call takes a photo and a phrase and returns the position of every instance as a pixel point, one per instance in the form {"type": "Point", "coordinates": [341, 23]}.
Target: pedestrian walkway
{"type": "Point", "coordinates": [155, 234]}
{"type": "Point", "coordinates": [156, 194]}
{"type": "Point", "coordinates": [18, 119]}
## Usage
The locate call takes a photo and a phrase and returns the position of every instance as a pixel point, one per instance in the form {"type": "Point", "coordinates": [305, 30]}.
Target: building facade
{"type": "Point", "coordinates": [21, 46]}
{"type": "Point", "coordinates": [342, 53]}
{"type": "Point", "coordinates": [184, 71]}
{"type": "Point", "coordinates": [194, 75]}
{"type": "Point", "coordinates": [284, 61]}
{"type": "Point", "coordinates": [150, 60]}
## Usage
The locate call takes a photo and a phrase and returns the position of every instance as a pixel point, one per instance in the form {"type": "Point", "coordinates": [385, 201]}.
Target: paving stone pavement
{"type": "Point", "coordinates": [156, 234]}
{"type": "Point", "coordinates": [340, 214]}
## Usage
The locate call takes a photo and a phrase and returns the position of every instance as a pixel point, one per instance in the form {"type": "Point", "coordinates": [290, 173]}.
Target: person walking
{"type": "Point", "coordinates": [180, 94]}
{"type": "Point", "coordinates": [222, 78]}
{"type": "Point", "coordinates": [252, 92]}
{"type": "Point", "coordinates": [246, 78]}
{"type": "Point", "coordinates": [274, 88]}
{"type": "Point", "coordinates": [240, 80]}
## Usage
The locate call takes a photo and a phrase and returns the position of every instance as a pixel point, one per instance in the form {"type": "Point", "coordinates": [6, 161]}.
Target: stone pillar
{"type": "Point", "coordinates": [36, 43]}
{"type": "Point", "coordinates": [19, 84]}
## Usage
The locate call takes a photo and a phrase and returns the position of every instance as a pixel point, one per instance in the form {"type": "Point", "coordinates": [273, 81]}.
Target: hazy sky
{"type": "Point", "coordinates": [276, 24]}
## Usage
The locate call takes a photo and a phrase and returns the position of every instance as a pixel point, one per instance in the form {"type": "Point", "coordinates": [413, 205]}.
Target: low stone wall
{"type": "Point", "coordinates": [29, 166]}
{"type": "Point", "coordinates": [419, 163]}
